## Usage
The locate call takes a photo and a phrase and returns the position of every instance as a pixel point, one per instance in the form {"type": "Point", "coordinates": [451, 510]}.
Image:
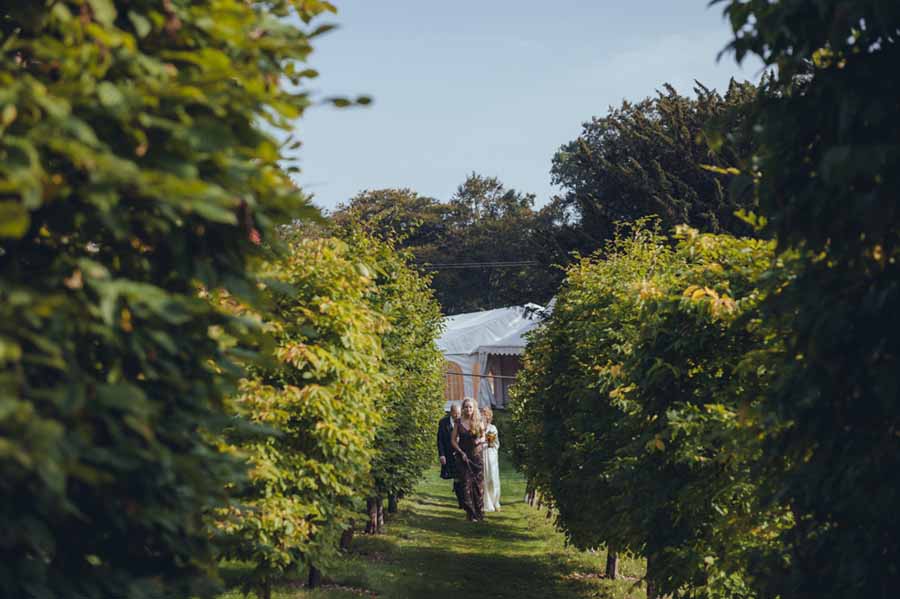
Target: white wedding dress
{"type": "Point", "coordinates": [492, 473]}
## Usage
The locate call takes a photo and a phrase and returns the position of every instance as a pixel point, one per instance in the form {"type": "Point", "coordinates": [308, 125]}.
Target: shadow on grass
{"type": "Point", "coordinates": [442, 504]}
{"type": "Point", "coordinates": [460, 527]}
{"type": "Point", "coordinates": [439, 573]}
{"type": "Point", "coordinates": [445, 501]}
{"type": "Point", "coordinates": [372, 545]}
{"type": "Point", "coordinates": [431, 551]}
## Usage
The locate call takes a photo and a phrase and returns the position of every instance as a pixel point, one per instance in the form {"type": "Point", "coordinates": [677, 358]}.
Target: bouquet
{"type": "Point", "coordinates": [491, 438]}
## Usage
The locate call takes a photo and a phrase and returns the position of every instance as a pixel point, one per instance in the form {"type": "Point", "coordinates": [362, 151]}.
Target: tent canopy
{"type": "Point", "coordinates": [469, 339]}
{"type": "Point", "coordinates": [500, 331]}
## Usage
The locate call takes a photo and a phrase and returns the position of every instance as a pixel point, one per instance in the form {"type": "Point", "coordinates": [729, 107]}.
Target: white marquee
{"type": "Point", "coordinates": [469, 339]}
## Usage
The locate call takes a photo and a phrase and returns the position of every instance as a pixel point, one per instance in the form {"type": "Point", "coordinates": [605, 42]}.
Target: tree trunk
{"type": "Point", "coordinates": [265, 589]}
{"type": "Point", "coordinates": [612, 564]}
{"type": "Point", "coordinates": [392, 504]}
{"type": "Point", "coordinates": [651, 584]}
{"type": "Point", "coordinates": [380, 528]}
{"type": "Point", "coordinates": [347, 537]}
{"type": "Point", "coordinates": [372, 511]}
{"type": "Point", "coordinates": [315, 577]}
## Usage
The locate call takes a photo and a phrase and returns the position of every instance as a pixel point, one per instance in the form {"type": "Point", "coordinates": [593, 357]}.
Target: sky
{"type": "Point", "coordinates": [490, 86]}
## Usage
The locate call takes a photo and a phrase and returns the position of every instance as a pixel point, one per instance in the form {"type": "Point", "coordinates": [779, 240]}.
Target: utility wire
{"type": "Point", "coordinates": [481, 376]}
{"type": "Point", "coordinates": [492, 264]}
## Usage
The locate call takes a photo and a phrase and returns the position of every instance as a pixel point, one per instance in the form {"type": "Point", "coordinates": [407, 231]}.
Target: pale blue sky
{"type": "Point", "coordinates": [492, 86]}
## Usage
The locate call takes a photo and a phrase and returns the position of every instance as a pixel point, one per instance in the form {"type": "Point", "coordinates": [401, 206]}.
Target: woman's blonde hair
{"type": "Point", "coordinates": [477, 427]}
{"type": "Point", "coordinates": [487, 413]}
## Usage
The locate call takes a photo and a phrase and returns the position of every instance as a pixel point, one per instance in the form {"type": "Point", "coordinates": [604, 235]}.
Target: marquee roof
{"type": "Point", "coordinates": [499, 332]}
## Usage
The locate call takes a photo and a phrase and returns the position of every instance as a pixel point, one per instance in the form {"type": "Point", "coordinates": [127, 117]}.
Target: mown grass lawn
{"type": "Point", "coordinates": [430, 551]}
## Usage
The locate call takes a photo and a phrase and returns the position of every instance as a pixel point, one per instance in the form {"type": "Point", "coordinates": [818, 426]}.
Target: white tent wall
{"type": "Point", "coordinates": [485, 390]}
{"type": "Point", "coordinates": [469, 340]}
{"type": "Point", "coordinates": [473, 368]}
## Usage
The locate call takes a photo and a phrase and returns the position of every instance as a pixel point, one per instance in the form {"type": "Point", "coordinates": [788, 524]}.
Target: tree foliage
{"type": "Point", "coordinates": [488, 222]}
{"type": "Point", "coordinates": [828, 177]}
{"type": "Point", "coordinates": [413, 400]}
{"type": "Point", "coordinates": [348, 402]}
{"type": "Point", "coordinates": [318, 399]}
{"type": "Point", "coordinates": [484, 221]}
{"type": "Point", "coordinates": [761, 438]}
{"type": "Point", "coordinates": [655, 157]}
{"type": "Point", "coordinates": [414, 220]}
{"type": "Point", "coordinates": [134, 172]}
{"type": "Point", "coordinates": [637, 410]}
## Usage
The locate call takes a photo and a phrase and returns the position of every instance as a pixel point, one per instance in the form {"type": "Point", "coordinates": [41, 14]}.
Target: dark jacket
{"type": "Point", "coordinates": [445, 432]}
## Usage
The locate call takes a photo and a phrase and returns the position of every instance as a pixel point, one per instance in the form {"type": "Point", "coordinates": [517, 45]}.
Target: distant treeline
{"type": "Point", "coordinates": [670, 155]}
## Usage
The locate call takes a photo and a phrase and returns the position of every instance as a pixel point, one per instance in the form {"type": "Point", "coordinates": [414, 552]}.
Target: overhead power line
{"type": "Point", "coordinates": [485, 264]}
{"type": "Point", "coordinates": [480, 376]}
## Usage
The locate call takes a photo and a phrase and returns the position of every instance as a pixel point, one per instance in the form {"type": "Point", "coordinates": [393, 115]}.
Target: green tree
{"type": "Point", "coordinates": [479, 199]}
{"type": "Point", "coordinates": [412, 402]}
{"type": "Point", "coordinates": [317, 399]}
{"type": "Point", "coordinates": [416, 221]}
{"type": "Point", "coordinates": [828, 177]}
{"type": "Point", "coordinates": [483, 222]}
{"type": "Point", "coordinates": [650, 157]}
{"type": "Point", "coordinates": [489, 223]}
{"type": "Point", "coordinates": [634, 412]}
{"type": "Point", "coordinates": [134, 173]}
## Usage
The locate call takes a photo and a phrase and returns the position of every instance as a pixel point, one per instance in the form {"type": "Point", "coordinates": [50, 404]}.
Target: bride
{"type": "Point", "coordinates": [491, 463]}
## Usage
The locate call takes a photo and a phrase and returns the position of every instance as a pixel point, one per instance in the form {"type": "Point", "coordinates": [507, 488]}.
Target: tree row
{"type": "Point", "coordinates": [192, 367]}
{"type": "Point", "coordinates": [727, 407]}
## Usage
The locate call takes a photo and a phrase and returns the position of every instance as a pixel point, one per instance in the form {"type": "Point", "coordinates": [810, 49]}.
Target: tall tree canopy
{"type": "Point", "coordinates": [652, 157]}
{"type": "Point", "coordinates": [488, 223]}
{"type": "Point", "coordinates": [483, 221]}
{"type": "Point", "coordinates": [671, 155]}
{"type": "Point", "coordinates": [415, 220]}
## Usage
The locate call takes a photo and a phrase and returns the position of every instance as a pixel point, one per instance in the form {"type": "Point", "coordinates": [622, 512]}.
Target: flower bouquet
{"type": "Point", "coordinates": [491, 438]}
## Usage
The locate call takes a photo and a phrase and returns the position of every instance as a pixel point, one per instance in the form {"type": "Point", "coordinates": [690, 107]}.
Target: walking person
{"type": "Point", "coordinates": [491, 462]}
{"type": "Point", "coordinates": [446, 451]}
{"type": "Point", "coordinates": [468, 441]}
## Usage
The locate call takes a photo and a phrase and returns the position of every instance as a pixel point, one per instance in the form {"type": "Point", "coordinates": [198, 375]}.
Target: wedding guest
{"type": "Point", "coordinates": [445, 450]}
{"type": "Point", "coordinates": [467, 440]}
{"type": "Point", "coordinates": [491, 462]}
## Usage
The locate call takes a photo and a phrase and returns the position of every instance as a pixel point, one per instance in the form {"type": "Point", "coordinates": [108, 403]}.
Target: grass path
{"type": "Point", "coordinates": [430, 551]}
